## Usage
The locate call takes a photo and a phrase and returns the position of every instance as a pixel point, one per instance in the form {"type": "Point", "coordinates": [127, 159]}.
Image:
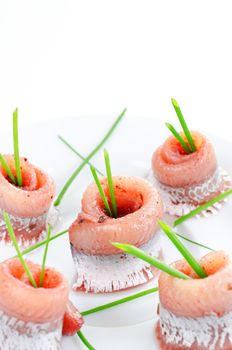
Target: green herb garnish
{"type": "Point", "coordinates": [16, 149]}
{"type": "Point", "coordinates": [87, 159]}
{"type": "Point", "coordinates": [178, 137]}
{"type": "Point", "coordinates": [130, 249]}
{"type": "Point", "coordinates": [85, 341]}
{"type": "Point", "coordinates": [184, 125]}
{"type": "Point", "coordinates": [15, 243]}
{"type": "Point", "coordinates": [42, 273]}
{"type": "Point", "coordinates": [119, 302]}
{"type": "Point", "coordinates": [7, 169]}
{"type": "Point", "coordinates": [183, 250]}
{"type": "Point", "coordinates": [194, 242]}
{"type": "Point", "coordinates": [202, 207]}
{"type": "Point", "coordinates": [113, 212]}
{"type": "Point", "coordinates": [40, 244]}
{"type": "Point", "coordinates": [78, 154]}
{"type": "Point", "coordinates": [110, 184]}
{"type": "Point", "coordinates": [101, 191]}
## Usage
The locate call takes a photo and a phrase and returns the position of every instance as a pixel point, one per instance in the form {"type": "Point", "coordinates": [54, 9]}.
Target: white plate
{"type": "Point", "coordinates": [130, 147]}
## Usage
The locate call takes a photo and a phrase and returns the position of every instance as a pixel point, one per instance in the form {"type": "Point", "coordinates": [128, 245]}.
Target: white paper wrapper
{"type": "Point", "coordinates": [105, 274]}
{"type": "Point", "coordinates": [28, 225]}
{"type": "Point", "coordinates": [19, 335]}
{"type": "Point", "coordinates": [180, 201]}
{"type": "Point", "coordinates": [208, 332]}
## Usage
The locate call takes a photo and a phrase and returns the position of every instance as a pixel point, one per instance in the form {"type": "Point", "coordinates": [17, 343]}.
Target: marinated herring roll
{"type": "Point", "coordinates": [196, 314]}
{"type": "Point", "coordinates": [100, 267]}
{"type": "Point", "coordinates": [31, 318]}
{"type": "Point", "coordinates": [187, 180]}
{"type": "Point", "coordinates": [27, 206]}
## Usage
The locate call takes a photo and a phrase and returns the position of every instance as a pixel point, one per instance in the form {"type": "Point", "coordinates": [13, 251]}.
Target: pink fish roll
{"type": "Point", "coordinates": [27, 206]}
{"type": "Point", "coordinates": [187, 180]}
{"type": "Point", "coordinates": [139, 206]}
{"type": "Point", "coordinates": [196, 314]}
{"type": "Point", "coordinates": [31, 318]}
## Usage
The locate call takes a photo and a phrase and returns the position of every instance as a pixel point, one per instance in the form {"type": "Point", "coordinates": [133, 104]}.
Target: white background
{"type": "Point", "coordinates": [62, 58]}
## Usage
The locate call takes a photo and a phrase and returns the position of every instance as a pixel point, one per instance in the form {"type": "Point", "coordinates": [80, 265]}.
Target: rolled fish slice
{"type": "Point", "coordinates": [34, 318]}
{"type": "Point", "coordinates": [28, 206]}
{"type": "Point", "coordinates": [196, 314]}
{"type": "Point", "coordinates": [186, 181]}
{"type": "Point", "coordinates": [31, 318]}
{"type": "Point", "coordinates": [101, 267]}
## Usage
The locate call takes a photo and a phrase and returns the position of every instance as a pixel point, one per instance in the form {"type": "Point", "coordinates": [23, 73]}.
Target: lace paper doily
{"type": "Point", "coordinates": [180, 201]}
{"type": "Point", "coordinates": [51, 218]}
{"type": "Point", "coordinates": [207, 332]}
{"type": "Point", "coordinates": [105, 274]}
{"type": "Point", "coordinates": [20, 335]}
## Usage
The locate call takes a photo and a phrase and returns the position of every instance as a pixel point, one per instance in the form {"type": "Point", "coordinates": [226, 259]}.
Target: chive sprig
{"type": "Point", "coordinates": [42, 273]}
{"type": "Point", "coordinates": [15, 243]}
{"type": "Point", "coordinates": [7, 169]}
{"type": "Point", "coordinates": [85, 340]}
{"type": "Point", "coordinates": [16, 149]}
{"type": "Point", "coordinates": [178, 137]}
{"type": "Point", "coordinates": [130, 249]}
{"type": "Point", "coordinates": [110, 184]}
{"type": "Point", "coordinates": [202, 207]}
{"type": "Point", "coordinates": [194, 242]}
{"type": "Point", "coordinates": [189, 147]}
{"type": "Point", "coordinates": [87, 159]}
{"type": "Point", "coordinates": [111, 212]}
{"type": "Point", "coordinates": [78, 153]}
{"type": "Point", "coordinates": [101, 191]}
{"type": "Point", "coordinates": [18, 179]}
{"type": "Point", "coordinates": [40, 244]}
{"type": "Point", "coordinates": [184, 125]}
{"type": "Point", "coordinates": [119, 301]}
{"type": "Point", "coordinates": [182, 249]}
